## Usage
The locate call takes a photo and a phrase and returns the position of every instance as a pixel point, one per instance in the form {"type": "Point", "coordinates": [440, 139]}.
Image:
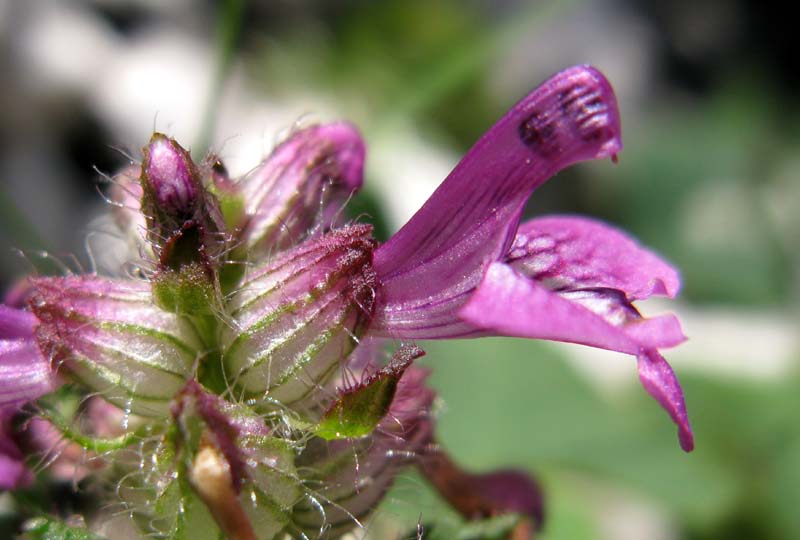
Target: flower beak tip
{"type": "Point", "coordinates": [612, 147]}
{"type": "Point", "coordinates": [686, 438]}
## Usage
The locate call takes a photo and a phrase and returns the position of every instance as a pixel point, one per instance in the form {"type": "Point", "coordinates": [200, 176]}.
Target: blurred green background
{"type": "Point", "coordinates": [708, 178]}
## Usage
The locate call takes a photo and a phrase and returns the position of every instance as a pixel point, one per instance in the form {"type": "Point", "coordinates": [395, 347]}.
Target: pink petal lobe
{"type": "Point", "coordinates": [660, 381]}
{"type": "Point", "coordinates": [25, 374]}
{"type": "Point", "coordinates": [578, 252]}
{"type": "Point", "coordinates": [657, 332]}
{"type": "Point", "coordinates": [507, 303]}
{"type": "Point", "coordinates": [471, 220]}
{"type": "Point", "coordinates": [16, 323]}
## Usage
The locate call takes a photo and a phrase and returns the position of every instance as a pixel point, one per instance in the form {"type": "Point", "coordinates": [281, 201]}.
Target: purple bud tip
{"type": "Point", "coordinates": [167, 172]}
{"type": "Point", "coordinates": [350, 152]}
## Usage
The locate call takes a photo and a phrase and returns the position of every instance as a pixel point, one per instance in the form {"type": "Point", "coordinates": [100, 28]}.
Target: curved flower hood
{"type": "Point", "coordinates": [463, 266]}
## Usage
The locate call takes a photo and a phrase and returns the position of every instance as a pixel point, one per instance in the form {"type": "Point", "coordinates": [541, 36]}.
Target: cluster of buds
{"type": "Point", "coordinates": [245, 358]}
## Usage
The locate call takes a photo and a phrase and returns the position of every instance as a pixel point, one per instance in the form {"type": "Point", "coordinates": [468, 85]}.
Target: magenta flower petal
{"type": "Point", "coordinates": [656, 332]}
{"type": "Point", "coordinates": [507, 303]}
{"type": "Point", "coordinates": [16, 323]}
{"type": "Point", "coordinates": [660, 381]}
{"type": "Point", "coordinates": [471, 220]}
{"type": "Point", "coordinates": [613, 307]}
{"type": "Point", "coordinates": [13, 473]}
{"type": "Point", "coordinates": [570, 252]}
{"type": "Point", "coordinates": [25, 373]}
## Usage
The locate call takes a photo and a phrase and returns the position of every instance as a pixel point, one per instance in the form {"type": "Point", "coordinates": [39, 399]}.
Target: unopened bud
{"type": "Point", "coordinates": [109, 336]}
{"type": "Point", "coordinates": [169, 179]}
{"type": "Point", "coordinates": [297, 317]}
{"type": "Point", "coordinates": [184, 222]}
{"type": "Point", "coordinates": [302, 184]}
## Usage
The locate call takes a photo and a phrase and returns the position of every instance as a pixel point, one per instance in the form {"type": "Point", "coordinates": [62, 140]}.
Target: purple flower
{"type": "Point", "coordinates": [464, 266]}
{"type": "Point", "coordinates": [25, 375]}
{"type": "Point", "coordinates": [247, 356]}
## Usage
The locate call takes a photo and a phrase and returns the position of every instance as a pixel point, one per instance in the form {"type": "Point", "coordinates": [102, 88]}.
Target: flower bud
{"type": "Point", "coordinates": [109, 336]}
{"type": "Point", "coordinates": [184, 222]}
{"type": "Point", "coordinates": [171, 188]}
{"type": "Point", "coordinates": [294, 320]}
{"type": "Point", "coordinates": [303, 183]}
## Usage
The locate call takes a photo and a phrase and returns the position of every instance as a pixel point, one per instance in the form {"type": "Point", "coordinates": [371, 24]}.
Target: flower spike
{"type": "Point", "coordinates": [244, 367]}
